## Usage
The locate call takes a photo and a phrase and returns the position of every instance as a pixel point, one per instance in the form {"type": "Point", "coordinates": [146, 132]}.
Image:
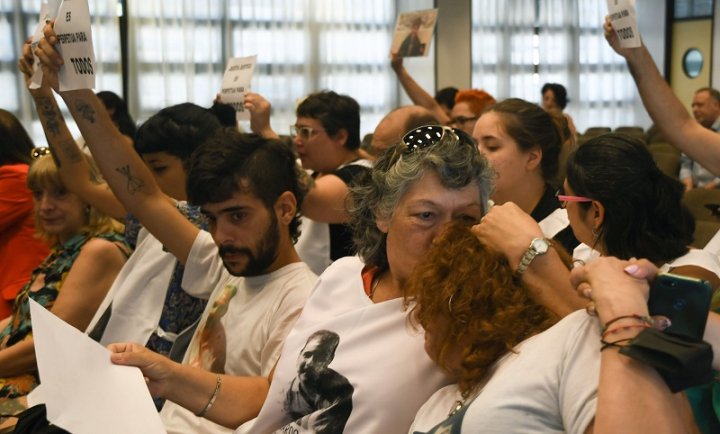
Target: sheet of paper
{"type": "Point", "coordinates": [413, 33]}
{"type": "Point", "coordinates": [236, 83]}
{"type": "Point", "coordinates": [83, 391]}
{"type": "Point", "coordinates": [624, 20]}
{"type": "Point", "coordinates": [72, 27]}
{"type": "Point", "coordinates": [48, 11]}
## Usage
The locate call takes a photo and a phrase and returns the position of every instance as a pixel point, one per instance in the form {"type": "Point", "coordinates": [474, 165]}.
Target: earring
{"type": "Point", "coordinates": [595, 232]}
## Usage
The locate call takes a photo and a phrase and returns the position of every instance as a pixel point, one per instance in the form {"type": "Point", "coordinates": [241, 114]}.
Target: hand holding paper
{"type": "Point", "coordinates": [236, 83]}
{"type": "Point", "coordinates": [623, 17]}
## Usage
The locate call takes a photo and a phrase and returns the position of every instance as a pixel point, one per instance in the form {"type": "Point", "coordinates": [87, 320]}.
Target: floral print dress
{"type": "Point", "coordinates": [53, 270]}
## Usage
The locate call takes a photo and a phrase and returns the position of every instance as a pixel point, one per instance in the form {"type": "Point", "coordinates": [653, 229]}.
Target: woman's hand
{"type": "Point", "coordinates": [509, 230]}
{"type": "Point", "coordinates": [616, 287]}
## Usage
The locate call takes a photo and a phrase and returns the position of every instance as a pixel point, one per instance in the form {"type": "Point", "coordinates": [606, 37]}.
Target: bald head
{"type": "Point", "coordinates": [395, 124]}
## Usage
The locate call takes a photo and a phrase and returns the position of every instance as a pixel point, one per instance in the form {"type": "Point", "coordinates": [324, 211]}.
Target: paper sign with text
{"type": "Point", "coordinates": [72, 27]}
{"type": "Point", "coordinates": [624, 21]}
{"type": "Point", "coordinates": [48, 11]}
{"type": "Point", "coordinates": [236, 83]}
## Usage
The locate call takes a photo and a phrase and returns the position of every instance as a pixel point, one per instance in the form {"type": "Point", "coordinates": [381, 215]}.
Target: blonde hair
{"type": "Point", "coordinates": [43, 174]}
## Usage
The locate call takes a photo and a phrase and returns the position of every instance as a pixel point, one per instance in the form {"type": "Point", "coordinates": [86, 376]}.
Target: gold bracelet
{"type": "Point", "coordinates": [213, 397]}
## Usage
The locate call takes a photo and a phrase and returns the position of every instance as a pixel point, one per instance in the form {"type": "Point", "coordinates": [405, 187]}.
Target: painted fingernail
{"type": "Point", "coordinates": [631, 269]}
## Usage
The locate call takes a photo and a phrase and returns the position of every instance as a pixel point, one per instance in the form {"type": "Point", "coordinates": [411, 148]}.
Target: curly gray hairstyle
{"type": "Point", "coordinates": [457, 162]}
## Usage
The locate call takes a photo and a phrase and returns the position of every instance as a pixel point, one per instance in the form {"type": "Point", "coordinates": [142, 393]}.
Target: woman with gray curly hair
{"type": "Point", "coordinates": [435, 176]}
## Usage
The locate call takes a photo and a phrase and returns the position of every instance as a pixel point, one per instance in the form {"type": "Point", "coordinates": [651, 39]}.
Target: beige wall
{"type": "Point", "coordinates": [686, 35]}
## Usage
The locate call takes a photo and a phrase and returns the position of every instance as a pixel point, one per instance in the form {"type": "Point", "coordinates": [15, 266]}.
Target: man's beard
{"type": "Point", "coordinates": [267, 251]}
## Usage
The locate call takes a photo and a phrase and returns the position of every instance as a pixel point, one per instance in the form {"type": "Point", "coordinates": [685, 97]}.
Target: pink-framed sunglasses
{"type": "Point", "coordinates": [564, 199]}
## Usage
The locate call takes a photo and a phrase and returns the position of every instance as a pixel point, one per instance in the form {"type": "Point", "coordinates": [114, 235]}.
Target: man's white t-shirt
{"type": "Point", "coordinates": [379, 354]}
{"type": "Point", "coordinates": [243, 327]}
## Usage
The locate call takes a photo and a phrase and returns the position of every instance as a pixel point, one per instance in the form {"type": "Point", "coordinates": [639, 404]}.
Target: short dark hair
{"type": "Point", "coordinates": [177, 130]}
{"type": "Point", "coordinates": [217, 168]}
{"type": "Point", "coordinates": [559, 91]}
{"type": "Point", "coordinates": [446, 96]}
{"type": "Point", "coordinates": [529, 125]}
{"type": "Point", "coordinates": [714, 93]}
{"type": "Point", "coordinates": [225, 114]}
{"type": "Point", "coordinates": [120, 114]}
{"type": "Point", "coordinates": [335, 112]}
{"type": "Point", "coordinates": [15, 143]}
{"type": "Point", "coordinates": [644, 214]}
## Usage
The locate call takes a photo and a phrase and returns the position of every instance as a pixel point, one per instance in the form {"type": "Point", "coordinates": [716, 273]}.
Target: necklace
{"type": "Point", "coordinates": [459, 404]}
{"type": "Point", "coordinates": [375, 284]}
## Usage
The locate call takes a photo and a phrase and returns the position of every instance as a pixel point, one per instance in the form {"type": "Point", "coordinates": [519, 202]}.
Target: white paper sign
{"type": "Point", "coordinates": [48, 11]}
{"type": "Point", "coordinates": [83, 391]}
{"type": "Point", "coordinates": [236, 83]}
{"type": "Point", "coordinates": [74, 34]}
{"type": "Point", "coordinates": [624, 21]}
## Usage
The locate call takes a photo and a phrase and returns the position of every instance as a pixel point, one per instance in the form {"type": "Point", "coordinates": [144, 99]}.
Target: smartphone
{"type": "Point", "coordinates": [684, 300]}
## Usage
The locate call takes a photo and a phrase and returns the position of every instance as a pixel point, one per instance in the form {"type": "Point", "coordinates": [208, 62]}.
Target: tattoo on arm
{"type": "Point", "coordinates": [46, 109]}
{"type": "Point", "coordinates": [134, 184]}
{"type": "Point", "coordinates": [69, 149]}
{"type": "Point", "coordinates": [86, 111]}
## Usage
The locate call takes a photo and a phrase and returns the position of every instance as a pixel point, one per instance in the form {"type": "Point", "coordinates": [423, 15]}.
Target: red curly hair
{"type": "Point", "coordinates": [477, 99]}
{"type": "Point", "coordinates": [473, 289]}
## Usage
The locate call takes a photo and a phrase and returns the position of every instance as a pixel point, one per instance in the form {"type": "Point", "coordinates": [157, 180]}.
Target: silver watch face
{"type": "Point", "coordinates": [540, 245]}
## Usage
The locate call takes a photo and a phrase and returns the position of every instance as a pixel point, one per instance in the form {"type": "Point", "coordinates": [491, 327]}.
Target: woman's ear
{"type": "Point", "coordinates": [341, 137]}
{"type": "Point", "coordinates": [597, 211]}
{"type": "Point", "coordinates": [534, 158]}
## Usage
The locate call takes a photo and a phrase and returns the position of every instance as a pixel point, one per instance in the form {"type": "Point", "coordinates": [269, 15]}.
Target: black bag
{"type": "Point", "coordinates": [34, 421]}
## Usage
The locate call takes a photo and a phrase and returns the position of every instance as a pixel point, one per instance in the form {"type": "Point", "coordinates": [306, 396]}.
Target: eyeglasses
{"type": "Point", "coordinates": [564, 199]}
{"type": "Point", "coordinates": [39, 152]}
{"type": "Point", "coordinates": [429, 135]}
{"type": "Point", "coordinates": [304, 132]}
{"type": "Point", "coordinates": [459, 120]}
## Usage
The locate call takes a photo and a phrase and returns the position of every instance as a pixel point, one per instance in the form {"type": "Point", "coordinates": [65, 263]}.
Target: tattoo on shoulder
{"type": "Point", "coordinates": [47, 110]}
{"type": "Point", "coordinates": [134, 184]}
{"type": "Point", "coordinates": [86, 111]}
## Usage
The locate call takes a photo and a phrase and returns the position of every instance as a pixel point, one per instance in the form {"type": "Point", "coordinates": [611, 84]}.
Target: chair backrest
{"type": "Point", "coordinates": [697, 201]}
{"type": "Point", "coordinates": [596, 131]}
{"type": "Point", "coordinates": [669, 164]}
{"type": "Point", "coordinates": [654, 134]}
{"type": "Point", "coordinates": [634, 132]}
{"type": "Point", "coordinates": [663, 147]}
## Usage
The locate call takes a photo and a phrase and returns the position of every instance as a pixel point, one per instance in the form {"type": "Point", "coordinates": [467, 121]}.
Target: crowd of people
{"type": "Point", "coordinates": [471, 271]}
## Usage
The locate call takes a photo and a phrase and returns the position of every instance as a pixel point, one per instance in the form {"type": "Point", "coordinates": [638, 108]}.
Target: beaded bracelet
{"type": "Point", "coordinates": [213, 397]}
{"type": "Point", "coordinates": [621, 328]}
{"type": "Point", "coordinates": [646, 319]}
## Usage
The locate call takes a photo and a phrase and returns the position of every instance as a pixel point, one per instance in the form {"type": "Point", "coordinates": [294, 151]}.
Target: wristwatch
{"type": "Point", "coordinates": [538, 246]}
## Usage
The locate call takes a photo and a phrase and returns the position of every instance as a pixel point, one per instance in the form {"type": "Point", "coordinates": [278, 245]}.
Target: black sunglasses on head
{"type": "Point", "coordinates": [428, 135]}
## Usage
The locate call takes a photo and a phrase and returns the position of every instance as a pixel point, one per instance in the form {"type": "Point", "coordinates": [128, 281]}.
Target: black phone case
{"type": "Point", "coordinates": [684, 300]}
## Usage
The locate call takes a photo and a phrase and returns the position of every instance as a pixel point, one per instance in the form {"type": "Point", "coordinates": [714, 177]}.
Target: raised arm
{"type": "Point", "coordinates": [417, 94]}
{"type": "Point", "coordinates": [123, 169]}
{"type": "Point", "coordinates": [664, 107]}
{"type": "Point", "coordinates": [73, 169]}
{"type": "Point", "coordinates": [238, 399]}
{"type": "Point", "coordinates": [326, 196]}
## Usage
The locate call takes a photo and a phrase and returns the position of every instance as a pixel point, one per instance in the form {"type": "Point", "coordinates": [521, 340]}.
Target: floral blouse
{"type": "Point", "coordinates": [55, 269]}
